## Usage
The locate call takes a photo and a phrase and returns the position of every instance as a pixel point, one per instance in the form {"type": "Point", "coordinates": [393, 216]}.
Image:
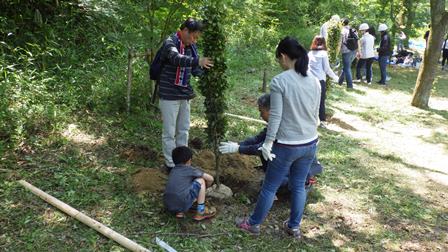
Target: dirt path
{"type": "Point", "coordinates": [412, 145]}
{"type": "Point", "coordinates": [417, 137]}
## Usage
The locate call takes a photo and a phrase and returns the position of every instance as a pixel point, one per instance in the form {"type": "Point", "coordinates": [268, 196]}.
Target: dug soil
{"type": "Point", "coordinates": [238, 173]}
{"type": "Point", "coordinates": [148, 180]}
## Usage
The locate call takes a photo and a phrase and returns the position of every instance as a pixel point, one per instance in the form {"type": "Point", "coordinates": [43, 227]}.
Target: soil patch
{"type": "Point", "coordinates": [238, 171]}
{"type": "Point", "coordinates": [342, 124]}
{"type": "Point", "coordinates": [149, 180]}
{"type": "Point", "coordinates": [138, 152]}
{"type": "Point", "coordinates": [196, 143]}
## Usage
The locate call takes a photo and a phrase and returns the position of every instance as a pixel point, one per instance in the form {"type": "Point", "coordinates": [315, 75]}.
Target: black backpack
{"type": "Point", "coordinates": [156, 66]}
{"type": "Point", "coordinates": [155, 69]}
{"type": "Point", "coordinates": [352, 40]}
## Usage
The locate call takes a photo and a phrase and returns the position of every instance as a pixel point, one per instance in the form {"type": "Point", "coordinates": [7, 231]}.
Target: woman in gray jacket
{"type": "Point", "coordinates": [291, 137]}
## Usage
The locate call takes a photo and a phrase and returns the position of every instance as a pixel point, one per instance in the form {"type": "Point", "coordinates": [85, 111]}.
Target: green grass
{"type": "Point", "coordinates": [365, 200]}
{"type": "Point", "coordinates": [94, 178]}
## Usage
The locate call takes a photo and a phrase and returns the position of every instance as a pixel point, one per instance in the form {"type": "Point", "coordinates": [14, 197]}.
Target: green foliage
{"type": "Point", "coordinates": [64, 57]}
{"type": "Point", "coordinates": [333, 40]}
{"type": "Point", "coordinates": [213, 83]}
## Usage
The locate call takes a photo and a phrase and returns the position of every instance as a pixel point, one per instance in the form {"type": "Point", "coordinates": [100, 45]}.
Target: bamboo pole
{"type": "Point", "coordinates": [98, 226]}
{"type": "Point", "coordinates": [246, 118]}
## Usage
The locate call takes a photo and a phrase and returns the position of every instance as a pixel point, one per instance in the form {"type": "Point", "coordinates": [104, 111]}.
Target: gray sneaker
{"type": "Point", "coordinates": [323, 124]}
{"type": "Point", "coordinates": [243, 224]}
{"type": "Point", "coordinates": [295, 232]}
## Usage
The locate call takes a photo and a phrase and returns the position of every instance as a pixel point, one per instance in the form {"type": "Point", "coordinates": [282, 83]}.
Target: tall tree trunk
{"type": "Point", "coordinates": [410, 16]}
{"type": "Point", "coordinates": [393, 17]}
{"type": "Point", "coordinates": [426, 75]}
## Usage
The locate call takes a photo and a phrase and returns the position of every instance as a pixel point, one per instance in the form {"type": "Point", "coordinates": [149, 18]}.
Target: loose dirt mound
{"type": "Point", "coordinates": [196, 143]}
{"type": "Point", "coordinates": [238, 171]}
{"type": "Point", "coordinates": [150, 180]}
{"type": "Point", "coordinates": [138, 152]}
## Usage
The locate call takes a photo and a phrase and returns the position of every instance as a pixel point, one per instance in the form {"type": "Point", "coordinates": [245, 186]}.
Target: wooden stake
{"type": "Point", "coordinates": [246, 118]}
{"type": "Point", "coordinates": [263, 88]}
{"type": "Point", "coordinates": [98, 226]}
{"type": "Point", "coordinates": [128, 96]}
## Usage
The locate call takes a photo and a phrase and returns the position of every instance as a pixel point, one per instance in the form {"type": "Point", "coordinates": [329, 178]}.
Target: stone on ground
{"type": "Point", "coordinates": [221, 192]}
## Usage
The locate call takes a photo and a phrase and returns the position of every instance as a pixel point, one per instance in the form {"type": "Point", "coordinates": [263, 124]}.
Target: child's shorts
{"type": "Point", "coordinates": [194, 193]}
{"type": "Point", "coordinates": [194, 190]}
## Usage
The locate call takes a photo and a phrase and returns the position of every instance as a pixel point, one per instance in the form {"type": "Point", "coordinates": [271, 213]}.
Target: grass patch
{"type": "Point", "coordinates": [362, 201]}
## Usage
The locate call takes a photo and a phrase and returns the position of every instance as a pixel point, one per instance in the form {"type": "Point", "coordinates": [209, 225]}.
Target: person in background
{"type": "Point", "coordinates": [291, 147]}
{"type": "Point", "coordinates": [426, 36]}
{"type": "Point", "coordinates": [319, 65]}
{"type": "Point", "coordinates": [348, 55]}
{"type": "Point", "coordinates": [181, 59]}
{"type": "Point", "coordinates": [408, 61]}
{"type": "Point", "coordinates": [366, 54]}
{"type": "Point", "coordinates": [401, 38]}
{"type": "Point", "coordinates": [324, 27]}
{"type": "Point", "coordinates": [384, 52]}
{"type": "Point", "coordinates": [445, 54]}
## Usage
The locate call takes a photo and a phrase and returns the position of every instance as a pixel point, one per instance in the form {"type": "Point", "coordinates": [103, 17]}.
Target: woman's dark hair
{"type": "Point", "coordinates": [264, 101]}
{"type": "Point", "coordinates": [318, 43]}
{"type": "Point", "coordinates": [192, 25]}
{"type": "Point", "coordinates": [181, 155]}
{"type": "Point", "coordinates": [345, 21]}
{"type": "Point", "coordinates": [295, 51]}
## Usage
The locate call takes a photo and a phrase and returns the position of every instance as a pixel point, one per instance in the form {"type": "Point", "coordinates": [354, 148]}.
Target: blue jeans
{"type": "Point", "coordinates": [323, 96]}
{"type": "Point", "coordinates": [295, 161]}
{"type": "Point", "coordinates": [367, 65]}
{"type": "Point", "coordinates": [347, 59]}
{"type": "Point", "coordinates": [382, 60]}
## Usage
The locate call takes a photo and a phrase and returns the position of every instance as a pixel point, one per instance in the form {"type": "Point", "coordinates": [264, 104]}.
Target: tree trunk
{"type": "Point", "coordinates": [265, 80]}
{"type": "Point", "coordinates": [393, 18]}
{"type": "Point", "coordinates": [426, 75]}
{"type": "Point", "coordinates": [128, 93]}
{"type": "Point", "coordinates": [217, 163]}
{"type": "Point", "coordinates": [410, 17]}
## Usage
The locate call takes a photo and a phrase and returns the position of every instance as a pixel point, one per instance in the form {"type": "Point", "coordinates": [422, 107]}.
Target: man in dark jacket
{"type": "Point", "coordinates": [251, 145]}
{"type": "Point", "coordinates": [426, 36]}
{"type": "Point", "coordinates": [180, 59]}
{"type": "Point", "coordinates": [384, 53]}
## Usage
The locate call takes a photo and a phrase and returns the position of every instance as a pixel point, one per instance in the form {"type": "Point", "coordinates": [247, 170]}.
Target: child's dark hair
{"type": "Point", "coordinates": [264, 101]}
{"type": "Point", "coordinates": [192, 25]}
{"type": "Point", "coordinates": [295, 51]}
{"type": "Point", "coordinates": [181, 155]}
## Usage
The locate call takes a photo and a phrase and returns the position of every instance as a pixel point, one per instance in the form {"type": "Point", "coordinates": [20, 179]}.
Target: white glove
{"type": "Point", "coordinates": [266, 149]}
{"type": "Point", "coordinates": [228, 147]}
